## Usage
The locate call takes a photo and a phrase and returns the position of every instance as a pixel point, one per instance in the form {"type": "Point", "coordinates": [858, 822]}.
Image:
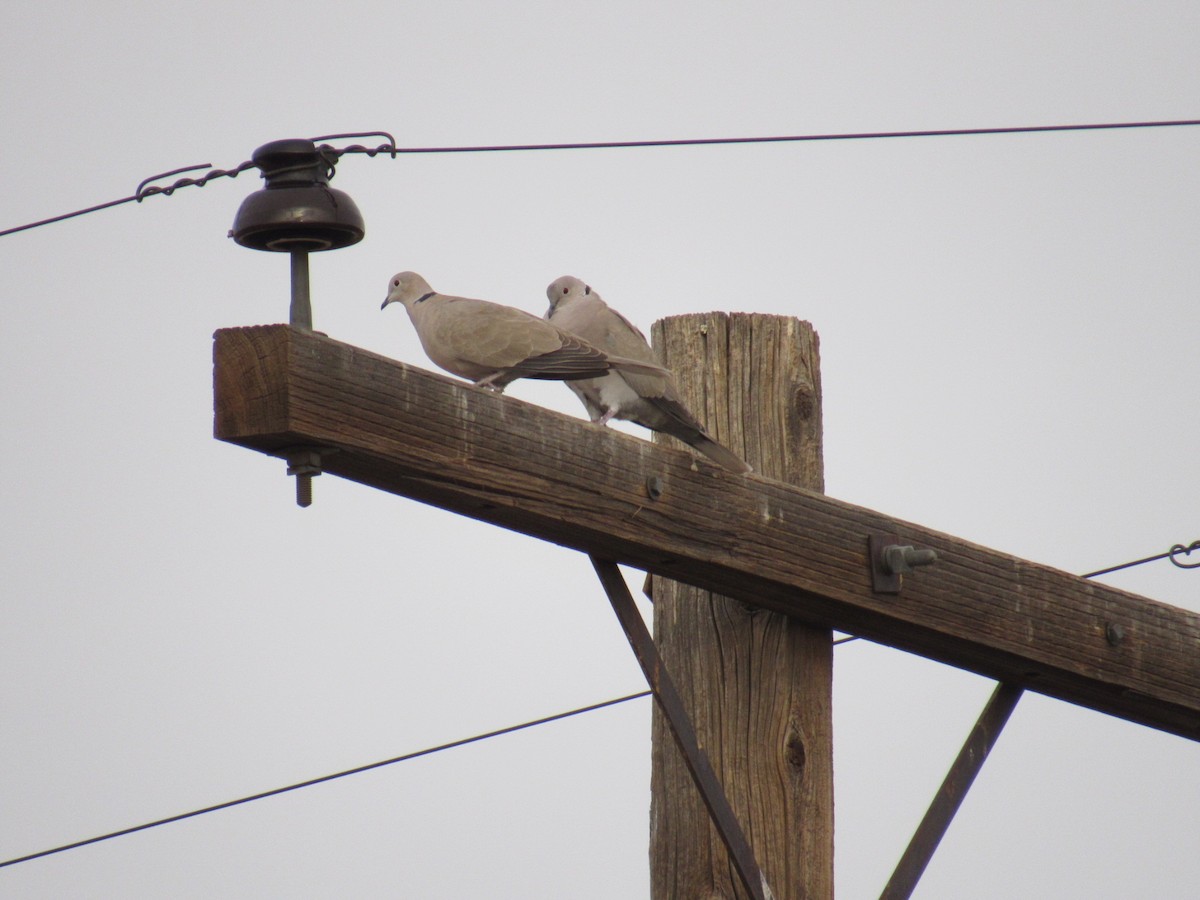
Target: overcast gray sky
{"type": "Point", "coordinates": [177, 633]}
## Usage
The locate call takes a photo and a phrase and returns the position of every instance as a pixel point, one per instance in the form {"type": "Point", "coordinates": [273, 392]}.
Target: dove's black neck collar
{"type": "Point", "coordinates": [425, 297]}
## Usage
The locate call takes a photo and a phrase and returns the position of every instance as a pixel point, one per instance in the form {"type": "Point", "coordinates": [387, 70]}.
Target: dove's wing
{"type": "Point", "coordinates": [648, 398]}
{"type": "Point", "coordinates": [499, 344]}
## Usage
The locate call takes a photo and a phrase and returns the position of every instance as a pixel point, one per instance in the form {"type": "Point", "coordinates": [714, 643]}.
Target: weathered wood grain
{"type": "Point", "coordinates": [757, 684]}
{"type": "Point", "coordinates": [766, 543]}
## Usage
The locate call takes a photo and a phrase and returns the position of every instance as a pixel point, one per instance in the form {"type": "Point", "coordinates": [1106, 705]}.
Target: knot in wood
{"type": "Point", "coordinates": [804, 400]}
{"type": "Point", "coordinates": [794, 751]}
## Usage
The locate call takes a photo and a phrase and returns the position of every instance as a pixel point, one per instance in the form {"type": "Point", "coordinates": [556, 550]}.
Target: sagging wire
{"type": "Point", "coordinates": [1172, 554]}
{"type": "Point", "coordinates": [321, 780]}
{"type": "Point", "coordinates": [843, 136]}
{"type": "Point", "coordinates": [392, 150]}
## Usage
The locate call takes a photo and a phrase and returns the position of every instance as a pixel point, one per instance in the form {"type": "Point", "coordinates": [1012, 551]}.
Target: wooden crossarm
{"type": "Point", "coordinates": [555, 477]}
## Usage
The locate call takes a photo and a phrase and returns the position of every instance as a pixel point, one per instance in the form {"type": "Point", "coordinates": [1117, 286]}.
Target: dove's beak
{"type": "Point", "coordinates": [385, 303]}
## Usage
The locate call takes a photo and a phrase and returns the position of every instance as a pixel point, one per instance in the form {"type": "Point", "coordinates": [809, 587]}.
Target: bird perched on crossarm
{"type": "Point", "coordinates": [494, 345]}
{"type": "Point", "coordinates": [648, 398]}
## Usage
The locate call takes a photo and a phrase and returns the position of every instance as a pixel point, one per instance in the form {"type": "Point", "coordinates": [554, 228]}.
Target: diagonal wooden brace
{"type": "Point", "coordinates": [671, 704]}
{"type": "Point", "coordinates": [953, 791]}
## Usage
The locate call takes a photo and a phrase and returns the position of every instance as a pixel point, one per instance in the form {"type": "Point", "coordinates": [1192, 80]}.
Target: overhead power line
{"type": "Point", "coordinates": [313, 781]}
{"type": "Point", "coordinates": [1174, 554]}
{"type": "Point", "coordinates": [798, 138]}
{"type": "Point", "coordinates": [1175, 551]}
{"type": "Point", "coordinates": [146, 188]}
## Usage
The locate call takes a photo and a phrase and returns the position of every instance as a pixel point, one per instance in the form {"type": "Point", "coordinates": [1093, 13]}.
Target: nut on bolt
{"type": "Point", "coordinates": [304, 463]}
{"type": "Point", "coordinates": [890, 560]}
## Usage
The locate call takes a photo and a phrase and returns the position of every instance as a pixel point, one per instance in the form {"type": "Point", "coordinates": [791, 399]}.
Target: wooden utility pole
{"type": "Point", "coordinates": [766, 545]}
{"type": "Point", "coordinates": [757, 684]}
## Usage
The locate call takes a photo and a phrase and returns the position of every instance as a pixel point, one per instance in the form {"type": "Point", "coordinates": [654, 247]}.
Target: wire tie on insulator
{"type": "Point", "coordinates": [139, 195]}
{"type": "Point", "coordinates": [390, 146]}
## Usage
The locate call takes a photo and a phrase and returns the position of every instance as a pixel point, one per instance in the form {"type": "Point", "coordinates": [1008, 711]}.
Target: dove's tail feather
{"type": "Point", "coordinates": [720, 454]}
{"type": "Point", "coordinates": [637, 366]}
{"type": "Point", "coordinates": [668, 415]}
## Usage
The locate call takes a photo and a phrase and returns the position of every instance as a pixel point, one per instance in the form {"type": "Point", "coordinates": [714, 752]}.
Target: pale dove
{"type": "Point", "coordinates": [649, 399]}
{"type": "Point", "coordinates": [493, 344]}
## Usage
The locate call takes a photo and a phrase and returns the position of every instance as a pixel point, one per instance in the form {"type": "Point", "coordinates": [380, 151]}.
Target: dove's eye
{"type": "Point", "coordinates": [587, 289]}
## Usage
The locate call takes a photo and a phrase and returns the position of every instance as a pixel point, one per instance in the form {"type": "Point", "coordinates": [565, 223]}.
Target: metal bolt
{"type": "Point", "coordinates": [654, 487]}
{"type": "Point", "coordinates": [1114, 633]}
{"type": "Point", "coordinates": [304, 464]}
{"type": "Point", "coordinates": [300, 314]}
{"type": "Point", "coordinates": [304, 490]}
{"type": "Point", "coordinates": [899, 559]}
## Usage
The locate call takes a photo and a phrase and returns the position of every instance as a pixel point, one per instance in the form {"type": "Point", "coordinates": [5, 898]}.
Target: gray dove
{"type": "Point", "coordinates": [649, 399]}
{"type": "Point", "coordinates": [494, 345]}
